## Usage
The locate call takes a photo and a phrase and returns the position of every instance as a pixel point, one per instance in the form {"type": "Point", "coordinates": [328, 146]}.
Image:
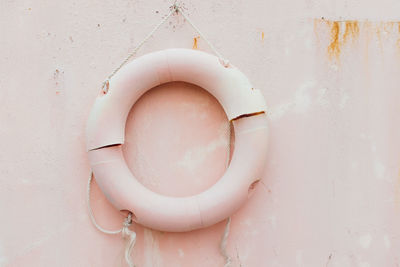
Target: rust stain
{"type": "Point", "coordinates": [342, 32]}
{"type": "Point", "coordinates": [195, 42]}
{"type": "Point", "coordinates": [262, 36]}
{"type": "Point", "coordinates": [316, 28]}
{"type": "Point", "coordinates": [388, 26]}
{"type": "Point", "coordinates": [351, 30]}
{"type": "Point", "coordinates": [368, 36]}
{"type": "Point", "coordinates": [398, 29]}
{"type": "Point", "coordinates": [334, 46]}
{"type": "Point", "coordinates": [248, 115]}
{"type": "Point", "coordinates": [378, 31]}
{"type": "Point", "coordinates": [316, 22]}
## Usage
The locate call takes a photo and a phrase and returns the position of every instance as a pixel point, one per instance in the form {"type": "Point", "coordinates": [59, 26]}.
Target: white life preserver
{"type": "Point", "coordinates": [244, 106]}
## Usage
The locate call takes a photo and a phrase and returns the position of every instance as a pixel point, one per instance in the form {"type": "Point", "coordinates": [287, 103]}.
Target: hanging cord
{"type": "Point", "coordinates": [224, 241]}
{"type": "Point", "coordinates": [224, 61]}
{"type": "Point", "coordinates": [177, 9]}
{"type": "Point", "coordinates": [126, 232]}
{"type": "Point", "coordinates": [224, 238]}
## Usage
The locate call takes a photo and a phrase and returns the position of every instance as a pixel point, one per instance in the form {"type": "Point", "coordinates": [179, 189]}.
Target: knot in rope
{"type": "Point", "coordinates": [176, 7]}
{"type": "Point", "coordinates": [131, 239]}
{"type": "Point", "coordinates": [105, 86]}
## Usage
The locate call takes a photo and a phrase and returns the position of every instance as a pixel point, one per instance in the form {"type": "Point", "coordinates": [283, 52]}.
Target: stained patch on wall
{"type": "Point", "coordinates": [335, 35]}
{"type": "Point", "coordinates": [352, 31]}
{"type": "Point", "coordinates": [398, 29]}
{"type": "Point", "coordinates": [334, 45]}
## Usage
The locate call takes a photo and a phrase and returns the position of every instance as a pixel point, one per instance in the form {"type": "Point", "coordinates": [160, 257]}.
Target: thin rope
{"type": "Point", "coordinates": [224, 238]}
{"type": "Point", "coordinates": [134, 51]}
{"type": "Point", "coordinates": [177, 9]}
{"type": "Point", "coordinates": [224, 241]}
{"type": "Point", "coordinates": [127, 234]}
{"type": "Point", "coordinates": [225, 62]}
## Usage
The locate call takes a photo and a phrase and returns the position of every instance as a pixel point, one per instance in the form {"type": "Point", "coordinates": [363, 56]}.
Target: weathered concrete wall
{"type": "Point", "coordinates": [329, 70]}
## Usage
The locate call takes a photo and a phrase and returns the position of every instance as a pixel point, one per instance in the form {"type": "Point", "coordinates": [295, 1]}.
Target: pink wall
{"type": "Point", "coordinates": [330, 195]}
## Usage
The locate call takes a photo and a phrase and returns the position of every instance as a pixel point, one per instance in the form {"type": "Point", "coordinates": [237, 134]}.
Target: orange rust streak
{"type": "Point", "coordinates": [195, 41]}
{"type": "Point", "coordinates": [398, 40]}
{"type": "Point", "coordinates": [262, 36]}
{"type": "Point", "coordinates": [316, 21]}
{"type": "Point", "coordinates": [334, 46]}
{"type": "Point", "coordinates": [352, 30]}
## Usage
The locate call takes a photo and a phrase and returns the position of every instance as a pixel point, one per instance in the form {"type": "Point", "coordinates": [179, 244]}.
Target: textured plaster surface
{"type": "Point", "coordinates": [329, 70]}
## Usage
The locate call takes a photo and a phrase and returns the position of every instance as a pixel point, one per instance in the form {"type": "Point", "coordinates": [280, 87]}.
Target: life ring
{"type": "Point", "coordinates": [244, 106]}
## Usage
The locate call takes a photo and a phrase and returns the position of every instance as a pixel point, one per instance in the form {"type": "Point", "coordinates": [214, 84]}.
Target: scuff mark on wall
{"type": "Point", "coordinates": [58, 77]}
{"type": "Point", "coordinates": [300, 104]}
{"type": "Point", "coordinates": [329, 260]}
{"type": "Point", "coordinates": [194, 157]}
{"type": "Point", "coordinates": [152, 254]}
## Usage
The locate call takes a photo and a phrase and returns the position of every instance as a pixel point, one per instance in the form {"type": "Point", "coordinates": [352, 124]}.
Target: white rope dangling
{"type": "Point", "coordinates": [224, 61]}
{"type": "Point", "coordinates": [224, 241]}
{"type": "Point", "coordinates": [126, 232]}
{"type": "Point", "coordinates": [130, 243]}
{"type": "Point", "coordinates": [224, 238]}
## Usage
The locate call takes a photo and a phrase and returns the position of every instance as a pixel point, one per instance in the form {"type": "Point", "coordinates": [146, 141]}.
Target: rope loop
{"type": "Point", "coordinates": [106, 86]}
{"type": "Point", "coordinates": [125, 231]}
{"type": "Point", "coordinates": [174, 8]}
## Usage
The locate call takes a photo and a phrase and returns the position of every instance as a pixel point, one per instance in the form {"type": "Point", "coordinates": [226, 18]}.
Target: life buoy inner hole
{"type": "Point", "coordinates": [177, 140]}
